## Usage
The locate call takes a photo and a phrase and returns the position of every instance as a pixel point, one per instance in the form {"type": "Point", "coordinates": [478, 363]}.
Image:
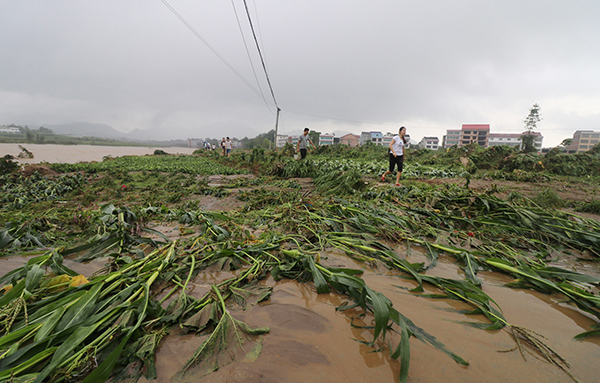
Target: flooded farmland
{"type": "Point", "coordinates": [268, 234]}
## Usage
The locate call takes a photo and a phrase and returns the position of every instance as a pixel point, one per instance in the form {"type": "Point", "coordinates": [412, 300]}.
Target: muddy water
{"type": "Point", "coordinates": [71, 154]}
{"type": "Point", "coordinates": [310, 341]}
{"type": "Point", "coordinates": [84, 268]}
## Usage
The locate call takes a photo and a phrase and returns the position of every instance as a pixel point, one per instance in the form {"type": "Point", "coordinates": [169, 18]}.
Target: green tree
{"type": "Point", "coordinates": [314, 137]}
{"type": "Point", "coordinates": [528, 136]}
{"type": "Point", "coordinates": [566, 142]}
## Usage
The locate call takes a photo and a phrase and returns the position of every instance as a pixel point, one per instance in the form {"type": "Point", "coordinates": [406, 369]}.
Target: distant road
{"type": "Point", "coordinates": [71, 154]}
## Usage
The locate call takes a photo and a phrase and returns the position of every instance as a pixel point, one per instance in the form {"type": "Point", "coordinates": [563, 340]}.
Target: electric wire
{"type": "Point", "coordinates": [213, 50]}
{"type": "Point", "coordinates": [261, 56]}
{"type": "Point", "coordinates": [248, 54]}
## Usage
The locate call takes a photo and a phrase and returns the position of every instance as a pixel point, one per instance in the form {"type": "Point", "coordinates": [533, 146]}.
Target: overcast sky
{"type": "Point", "coordinates": [335, 66]}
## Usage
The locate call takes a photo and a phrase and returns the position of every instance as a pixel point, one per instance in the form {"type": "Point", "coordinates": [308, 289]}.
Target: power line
{"type": "Point", "coordinates": [211, 48]}
{"type": "Point", "coordinates": [261, 56]}
{"type": "Point", "coordinates": [248, 54]}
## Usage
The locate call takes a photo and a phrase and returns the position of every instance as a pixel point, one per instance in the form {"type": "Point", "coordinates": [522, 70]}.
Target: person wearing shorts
{"type": "Point", "coordinates": [396, 155]}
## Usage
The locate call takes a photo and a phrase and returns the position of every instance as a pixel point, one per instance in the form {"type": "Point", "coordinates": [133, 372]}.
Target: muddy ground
{"type": "Point", "coordinates": [311, 341]}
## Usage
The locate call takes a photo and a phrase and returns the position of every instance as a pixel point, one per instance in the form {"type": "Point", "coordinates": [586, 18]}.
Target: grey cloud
{"type": "Point", "coordinates": [437, 64]}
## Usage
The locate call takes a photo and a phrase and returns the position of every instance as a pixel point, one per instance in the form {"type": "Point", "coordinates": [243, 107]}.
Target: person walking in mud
{"type": "Point", "coordinates": [397, 155]}
{"type": "Point", "coordinates": [228, 146]}
{"type": "Point", "coordinates": [303, 140]}
{"type": "Point", "coordinates": [223, 146]}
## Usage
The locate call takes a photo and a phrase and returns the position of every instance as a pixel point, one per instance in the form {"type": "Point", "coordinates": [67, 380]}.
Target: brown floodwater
{"type": "Point", "coordinates": [84, 268]}
{"type": "Point", "coordinates": [71, 154]}
{"type": "Point", "coordinates": [309, 341]}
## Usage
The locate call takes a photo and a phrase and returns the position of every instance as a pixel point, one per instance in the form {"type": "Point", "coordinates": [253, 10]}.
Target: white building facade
{"type": "Point", "coordinates": [429, 143]}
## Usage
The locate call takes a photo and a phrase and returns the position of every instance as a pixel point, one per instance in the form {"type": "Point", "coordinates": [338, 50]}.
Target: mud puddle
{"type": "Point", "coordinates": [309, 341]}
{"type": "Point", "coordinates": [86, 269]}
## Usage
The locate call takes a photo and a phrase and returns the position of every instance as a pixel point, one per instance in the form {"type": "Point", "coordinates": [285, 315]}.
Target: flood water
{"type": "Point", "coordinates": [71, 154]}
{"type": "Point", "coordinates": [309, 341]}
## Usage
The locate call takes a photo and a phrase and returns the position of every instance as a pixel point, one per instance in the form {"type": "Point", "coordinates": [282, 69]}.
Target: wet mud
{"type": "Point", "coordinates": [311, 341]}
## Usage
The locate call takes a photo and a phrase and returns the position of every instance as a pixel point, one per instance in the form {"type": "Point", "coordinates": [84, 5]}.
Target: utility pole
{"type": "Point", "coordinates": [276, 126]}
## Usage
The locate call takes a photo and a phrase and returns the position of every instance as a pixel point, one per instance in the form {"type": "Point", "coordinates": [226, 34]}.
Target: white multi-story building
{"type": "Point", "coordinates": [509, 139]}
{"type": "Point", "coordinates": [372, 136]}
{"type": "Point", "coordinates": [429, 143]}
{"type": "Point", "coordinates": [514, 139]}
{"type": "Point", "coordinates": [451, 138]}
{"type": "Point", "coordinates": [13, 130]}
{"type": "Point", "coordinates": [326, 139]}
{"type": "Point", "coordinates": [281, 140]}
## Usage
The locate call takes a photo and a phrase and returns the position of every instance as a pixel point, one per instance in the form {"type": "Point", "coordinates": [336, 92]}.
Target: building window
{"type": "Point", "coordinates": [584, 141]}
{"type": "Point", "coordinates": [467, 132]}
{"type": "Point", "coordinates": [593, 141]}
{"type": "Point", "coordinates": [595, 135]}
{"type": "Point", "coordinates": [585, 136]}
{"type": "Point", "coordinates": [583, 147]}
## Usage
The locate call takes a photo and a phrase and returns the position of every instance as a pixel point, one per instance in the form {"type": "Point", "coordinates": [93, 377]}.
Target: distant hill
{"type": "Point", "coordinates": [86, 129]}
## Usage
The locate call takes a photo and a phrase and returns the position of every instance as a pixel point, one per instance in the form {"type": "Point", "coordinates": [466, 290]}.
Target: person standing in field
{"type": "Point", "coordinates": [303, 141]}
{"type": "Point", "coordinates": [396, 155]}
{"type": "Point", "coordinates": [228, 146]}
{"type": "Point", "coordinates": [223, 146]}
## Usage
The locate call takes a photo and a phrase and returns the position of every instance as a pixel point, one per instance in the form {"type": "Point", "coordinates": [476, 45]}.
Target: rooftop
{"type": "Point", "coordinates": [476, 127]}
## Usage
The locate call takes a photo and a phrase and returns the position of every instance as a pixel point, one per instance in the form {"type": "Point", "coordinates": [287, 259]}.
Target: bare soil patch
{"type": "Point", "coordinates": [42, 169]}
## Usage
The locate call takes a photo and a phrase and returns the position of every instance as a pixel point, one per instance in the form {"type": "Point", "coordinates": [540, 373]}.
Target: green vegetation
{"type": "Point", "coordinates": [156, 163]}
{"type": "Point", "coordinates": [59, 326]}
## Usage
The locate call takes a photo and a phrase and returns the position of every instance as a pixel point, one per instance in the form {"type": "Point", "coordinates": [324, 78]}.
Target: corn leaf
{"type": "Point", "coordinates": [231, 340]}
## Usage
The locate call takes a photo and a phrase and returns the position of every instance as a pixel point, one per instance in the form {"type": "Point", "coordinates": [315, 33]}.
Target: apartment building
{"type": "Point", "coordinates": [281, 140]}
{"type": "Point", "coordinates": [477, 133]}
{"type": "Point", "coordinates": [387, 139]}
{"type": "Point", "coordinates": [514, 139]}
{"type": "Point", "coordinates": [326, 139]}
{"type": "Point", "coordinates": [509, 139]}
{"type": "Point", "coordinates": [429, 143]}
{"type": "Point", "coordinates": [468, 134]}
{"type": "Point", "coordinates": [350, 140]}
{"type": "Point", "coordinates": [451, 138]}
{"type": "Point", "coordinates": [372, 136]}
{"type": "Point", "coordinates": [583, 140]}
